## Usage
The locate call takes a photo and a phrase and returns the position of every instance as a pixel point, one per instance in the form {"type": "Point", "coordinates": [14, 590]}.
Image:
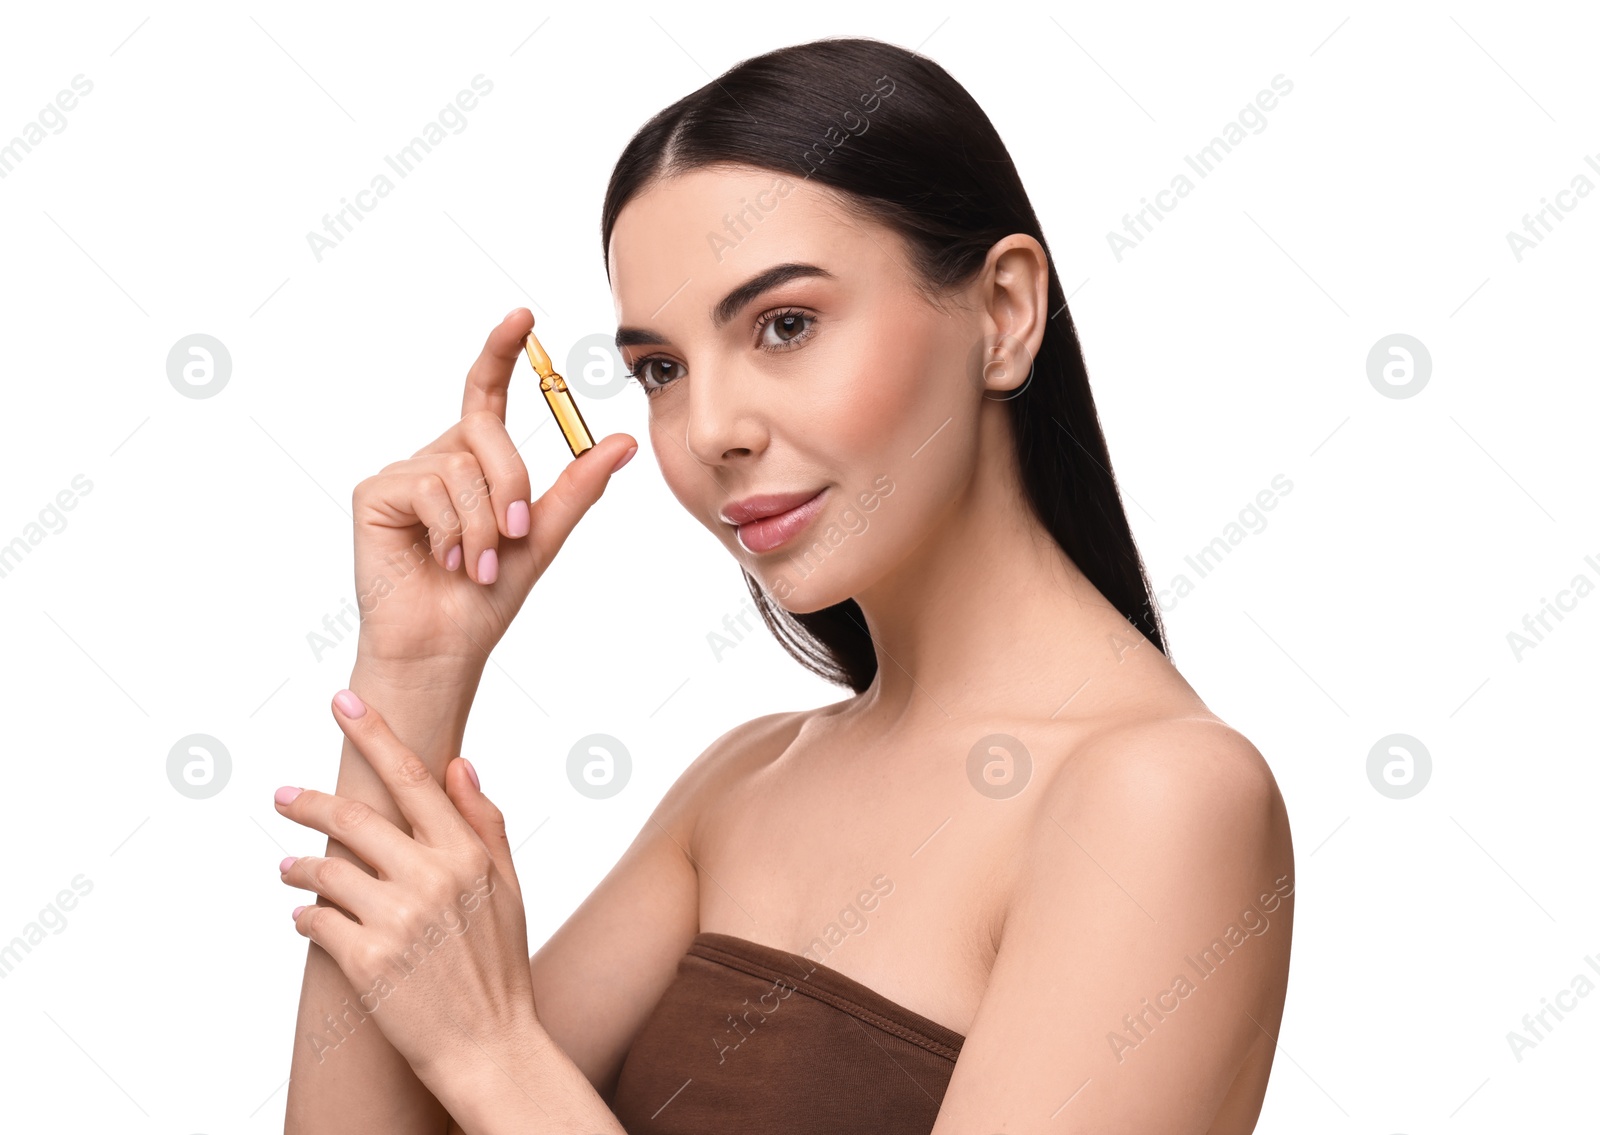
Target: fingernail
{"type": "Point", "coordinates": [452, 558]}
{"type": "Point", "coordinates": [626, 457]}
{"type": "Point", "coordinates": [488, 566]}
{"type": "Point", "coordinates": [296, 912]}
{"type": "Point", "coordinates": [349, 704]}
{"type": "Point", "coordinates": [510, 313]}
{"type": "Point", "coordinates": [283, 868]}
{"type": "Point", "coordinates": [285, 794]}
{"type": "Point", "coordinates": [517, 519]}
{"type": "Point", "coordinates": [473, 773]}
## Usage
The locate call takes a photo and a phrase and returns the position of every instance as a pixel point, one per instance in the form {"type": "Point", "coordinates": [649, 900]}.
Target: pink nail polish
{"type": "Point", "coordinates": [452, 558]}
{"type": "Point", "coordinates": [488, 566]}
{"type": "Point", "coordinates": [296, 912]}
{"type": "Point", "coordinates": [286, 794]}
{"type": "Point", "coordinates": [349, 704]}
{"type": "Point", "coordinates": [517, 519]}
{"type": "Point", "coordinates": [283, 867]}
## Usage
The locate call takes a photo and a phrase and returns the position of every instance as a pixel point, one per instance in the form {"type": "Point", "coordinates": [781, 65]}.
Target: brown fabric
{"type": "Point", "coordinates": [749, 1038]}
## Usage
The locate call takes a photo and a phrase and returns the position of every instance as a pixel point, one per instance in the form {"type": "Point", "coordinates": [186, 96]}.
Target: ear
{"type": "Point", "coordinates": [1016, 293]}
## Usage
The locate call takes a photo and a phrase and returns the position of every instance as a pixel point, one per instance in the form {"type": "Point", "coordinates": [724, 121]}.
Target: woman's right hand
{"type": "Point", "coordinates": [447, 543]}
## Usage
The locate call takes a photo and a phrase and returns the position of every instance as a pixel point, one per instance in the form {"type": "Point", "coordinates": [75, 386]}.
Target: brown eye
{"type": "Point", "coordinates": [667, 371]}
{"type": "Point", "coordinates": [781, 330]}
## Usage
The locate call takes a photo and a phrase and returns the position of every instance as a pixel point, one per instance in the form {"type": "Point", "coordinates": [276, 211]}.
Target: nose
{"type": "Point", "coordinates": [724, 418]}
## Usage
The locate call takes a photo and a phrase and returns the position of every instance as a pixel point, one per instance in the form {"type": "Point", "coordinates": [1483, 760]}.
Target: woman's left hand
{"type": "Point", "coordinates": [438, 947]}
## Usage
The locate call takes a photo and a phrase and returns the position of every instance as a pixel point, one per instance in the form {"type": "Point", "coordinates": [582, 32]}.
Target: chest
{"type": "Point", "coordinates": [885, 866]}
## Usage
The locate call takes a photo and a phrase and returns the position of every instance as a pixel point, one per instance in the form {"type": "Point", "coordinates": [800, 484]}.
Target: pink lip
{"type": "Point", "coordinates": [770, 521]}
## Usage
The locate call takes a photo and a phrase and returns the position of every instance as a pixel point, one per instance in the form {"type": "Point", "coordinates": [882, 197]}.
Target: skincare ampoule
{"type": "Point", "coordinates": [560, 398]}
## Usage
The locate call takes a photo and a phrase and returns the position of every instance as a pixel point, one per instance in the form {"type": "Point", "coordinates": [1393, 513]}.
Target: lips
{"type": "Point", "coordinates": [765, 505]}
{"type": "Point", "coordinates": [770, 520]}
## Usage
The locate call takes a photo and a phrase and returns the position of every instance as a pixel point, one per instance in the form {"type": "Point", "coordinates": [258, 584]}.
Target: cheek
{"type": "Point", "coordinates": [899, 394]}
{"type": "Point", "coordinates": [674, 461]}
{"type": "Point", "coordinates": [686, 480]}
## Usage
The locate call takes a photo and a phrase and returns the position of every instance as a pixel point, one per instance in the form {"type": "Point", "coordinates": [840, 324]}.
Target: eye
{"type": "Point", "coordinates": [782, 329]}
{"type": "Point", "coordinates": [641, 372]}
{"type": "Point", "coordinates": [789, 325]}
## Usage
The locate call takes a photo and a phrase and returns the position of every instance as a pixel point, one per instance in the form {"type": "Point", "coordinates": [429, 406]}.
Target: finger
{"type": "Point", "coordinates": [433, 818]}
{"type": "Point", "coordinates": [403, 495]}
{"type": "Point", "coordinates": [485, 436]}
{"type": "Point", "coordinates": [337, 880]}
{"type": "Point", "coordinates": [481, 813]}
{"type": "Point", "coordinates": [468, 490]}
{"type": "Point", "coordinates": [354, 823]}
{"type": "Point", "coordinates": [582, 480]}
{"type": "Point", "coordinates": [490, 376]}
{"type": "Point", "coordinates": [334, 932]}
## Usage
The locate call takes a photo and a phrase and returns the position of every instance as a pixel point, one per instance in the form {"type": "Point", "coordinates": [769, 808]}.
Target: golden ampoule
{"type": "Point", "coordinates": [560, 398]}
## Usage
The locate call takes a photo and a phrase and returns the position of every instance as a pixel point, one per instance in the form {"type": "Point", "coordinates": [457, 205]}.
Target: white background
{"type": "Point", "coordinates": [1229, 347]}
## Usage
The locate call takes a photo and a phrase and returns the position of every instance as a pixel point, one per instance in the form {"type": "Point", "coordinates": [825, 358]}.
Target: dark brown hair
{"type": "Point", "coordinates": [936, 172]}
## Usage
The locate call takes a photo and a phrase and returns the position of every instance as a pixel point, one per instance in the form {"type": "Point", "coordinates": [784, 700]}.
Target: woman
{"type": "Point", "coordinates": [1022, 879]}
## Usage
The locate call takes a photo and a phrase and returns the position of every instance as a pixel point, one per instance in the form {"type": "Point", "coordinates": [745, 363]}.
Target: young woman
{"type": "Point", "coordinates": [1021, 879]}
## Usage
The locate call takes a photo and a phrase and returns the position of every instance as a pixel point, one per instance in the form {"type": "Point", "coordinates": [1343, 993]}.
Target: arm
{"type": "Point", "coordinates": [597, 978]}
{"type": "Point", "coordinates": [352, 1079]}
{"type": "Point", "coordinates": [1145, 952]}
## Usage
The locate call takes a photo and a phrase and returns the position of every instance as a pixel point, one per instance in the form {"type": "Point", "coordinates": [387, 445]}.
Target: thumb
{"type": "Point", "coordinates": [461, 785]}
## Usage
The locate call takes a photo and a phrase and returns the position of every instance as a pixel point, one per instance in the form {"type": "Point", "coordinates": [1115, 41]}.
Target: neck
{"type": "Point", "coordinates": [989, 617]}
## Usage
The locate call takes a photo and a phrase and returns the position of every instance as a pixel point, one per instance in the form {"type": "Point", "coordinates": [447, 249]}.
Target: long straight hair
{"type": "Point", "coordinates": [897, 138]}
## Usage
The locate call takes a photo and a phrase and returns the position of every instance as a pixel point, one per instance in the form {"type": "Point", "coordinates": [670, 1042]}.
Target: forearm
{"type": "Point", "coordinates": [344, 1074]}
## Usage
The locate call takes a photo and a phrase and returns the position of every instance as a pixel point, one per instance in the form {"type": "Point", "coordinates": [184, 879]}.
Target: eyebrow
{"type": "Point", "coordinates": [730, 304]}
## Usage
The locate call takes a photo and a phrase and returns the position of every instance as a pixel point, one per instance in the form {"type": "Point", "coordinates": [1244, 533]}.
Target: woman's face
{"type": "Point", "coordinates": [838, 383]}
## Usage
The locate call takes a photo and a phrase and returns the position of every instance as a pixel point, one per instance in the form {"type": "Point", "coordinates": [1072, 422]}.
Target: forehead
{"type": "Point", "coordinates": [696, 235]}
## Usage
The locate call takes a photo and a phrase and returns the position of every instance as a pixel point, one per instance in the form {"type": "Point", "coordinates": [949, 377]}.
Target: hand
{"type": "Point", "coordinates": [438, 948]}
{"type": "Point", "coordinates": [447, 545]}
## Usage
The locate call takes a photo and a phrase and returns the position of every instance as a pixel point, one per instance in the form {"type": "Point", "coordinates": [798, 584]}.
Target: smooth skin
{"type": "Point", "coordinates": [1033, 924]}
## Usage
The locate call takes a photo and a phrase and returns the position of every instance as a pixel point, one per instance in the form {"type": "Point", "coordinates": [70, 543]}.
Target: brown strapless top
{"type": "Point", "coordinates": [752, 1038]}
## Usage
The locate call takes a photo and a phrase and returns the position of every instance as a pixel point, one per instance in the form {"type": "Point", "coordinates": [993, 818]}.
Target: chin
{"type": "Point", "coordinates": [800, 595]}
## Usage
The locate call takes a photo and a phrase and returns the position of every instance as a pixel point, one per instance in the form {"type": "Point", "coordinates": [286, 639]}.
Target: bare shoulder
{"type": "Point", "coordinates": [1182, 804]}
{"type": "Point", "coordinates": [733, 755]}
{"type": "Point", "coordinates": [1194, 765]}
